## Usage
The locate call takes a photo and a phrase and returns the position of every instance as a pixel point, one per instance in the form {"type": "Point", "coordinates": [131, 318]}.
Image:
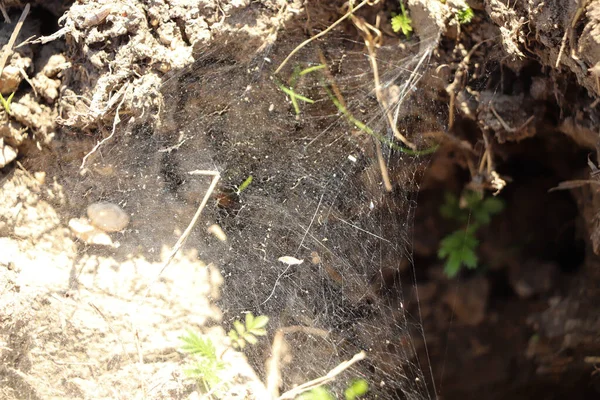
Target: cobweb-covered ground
{"type": "Point", "coordinates": [199, 93]}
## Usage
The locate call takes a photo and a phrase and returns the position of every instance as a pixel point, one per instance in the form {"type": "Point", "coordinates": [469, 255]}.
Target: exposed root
{"type": "Point", "coordinates": [457, 83]}
{"type": "Point", "coordinates": [116, 121]}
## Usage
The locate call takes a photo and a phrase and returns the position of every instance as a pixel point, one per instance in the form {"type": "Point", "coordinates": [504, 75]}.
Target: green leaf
{"type": "Point", "coordinates": [493, 205]}
{"type": "Point", "coordinates": [402, 23]}
{"type": "Point", "coordinates": [357, 388]}
{"type": "Point", "coordinates": [452, 267]}
{"type": "Point", "coordinates": [245, 184]}
{"type": "Point", "coordinates": [469, 259]}
{"type": "Point", "coordinates": [250, 338]}
{"type": "Point", "coordinates": [6, 102]}
{"type": "Point", "coordinates": [239, 327]}
{"type": "Point", "coordinates": [194, 344]}
{"type": "Point", "coordinates": [312, 69]}
{"type": "Point", "coordinates": [260, 322]}
{"type": "Point", "coordinates": [249, 320]}
{"type": "Point", "coordinates": [318, 393]}
{"type": "Point", "coordinates": [465, 15]}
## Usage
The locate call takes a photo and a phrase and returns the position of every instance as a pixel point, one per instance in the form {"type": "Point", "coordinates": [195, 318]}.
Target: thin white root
{"type": "Point", "coordinates": [116, 121]}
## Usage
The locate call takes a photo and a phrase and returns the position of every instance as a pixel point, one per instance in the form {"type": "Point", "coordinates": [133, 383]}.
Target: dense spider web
{"type": "Point", "coordinates": [317, 195]}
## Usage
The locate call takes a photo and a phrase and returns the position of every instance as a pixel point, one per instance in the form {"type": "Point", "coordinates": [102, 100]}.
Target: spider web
{"type": "Point", "coordinates": [316, 195]}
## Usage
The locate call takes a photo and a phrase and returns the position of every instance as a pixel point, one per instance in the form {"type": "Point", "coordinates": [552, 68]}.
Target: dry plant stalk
{"type": "Point", "coordinates": [372, 44]}
{"type": "Point", "coordinates": [291, 394]}
{"type": "Point", "coordinates": [570, 29]}
{"type": "Point", "coordinates": [336, 23]}
{"type": "Point", "coordinates": [13, 38]}
{"type": "Point", "coordinates": [273, 369]}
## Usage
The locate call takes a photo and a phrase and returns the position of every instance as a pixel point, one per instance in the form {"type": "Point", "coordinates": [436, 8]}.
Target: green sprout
{"type": "Point", "coordinates": [290, 90]}
{"type": "Point", "coordinates": [365, 128]}
{"type": "Point", "coordinates": [248, 332]}
{"type": "Point", "coordinates": [6, 102]}
{"type": "Point", "coordinates": [465, 16]}
{"type": "Point", "coordinates": [244, 184]}
{"type": "Point", "coordinates": [205, 366]}
{"type": "Point", "coordinates": [460, 247]}
{"type": "Point", "coordinates": [402, 22]}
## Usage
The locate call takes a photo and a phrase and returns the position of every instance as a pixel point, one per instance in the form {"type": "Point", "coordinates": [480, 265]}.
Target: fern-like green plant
{"type": "Point", "coordinates": [205, 365]}
{"type": "Point", "coordinates": [247, 332]}
{"type": "Point", "coordinates": [465, 15]}
{"type": "Point", "coordinates": [472, 211]}
{"type": "Point", "coordinates": [6, 102]}
{"type": "Point", "coordinates": [402, 22]}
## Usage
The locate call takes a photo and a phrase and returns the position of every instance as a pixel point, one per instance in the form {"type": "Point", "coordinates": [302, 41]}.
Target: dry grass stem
{"type": "Point", "coordinates": [182, 239]}
{"type": "Point", "coordinates": [371, 44]}
{"type": "Point", "coordinates": [307, 41]}
{"type": "Point", "coordinates": [8, 49]}
{"type": "Point", "coordinates": [324, 379]}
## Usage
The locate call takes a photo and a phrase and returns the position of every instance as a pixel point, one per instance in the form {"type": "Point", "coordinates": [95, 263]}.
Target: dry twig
{"type": "Point", "coordinates": [290, 394]}
{"type": "Point", "coordinates": [13, 38]}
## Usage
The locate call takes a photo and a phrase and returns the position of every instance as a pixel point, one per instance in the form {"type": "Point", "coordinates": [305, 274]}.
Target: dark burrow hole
{"type": "Point", "coordinates": [536, 228]}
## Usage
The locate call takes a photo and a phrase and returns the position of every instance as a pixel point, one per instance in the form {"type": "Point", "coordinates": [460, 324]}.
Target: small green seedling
{"type": "Point", "coordinates": [6, 102]}
{"type": "Point", "coordinates": [248, 332]}
{"type": "Point", "coordinates": [465, 16]}
{"type": "Point", "coordinates": [357, 388]}
{"type": "Point", "coordinates": [472, 211]}
{"type": "Point", "coordinates": [244, 184]}
{"type": "Point", "coordinates": [291, 89]}
{"type": "Point", "coordinates": [205, 365]}
{"type": "Point", "coordinates": [402, 22]}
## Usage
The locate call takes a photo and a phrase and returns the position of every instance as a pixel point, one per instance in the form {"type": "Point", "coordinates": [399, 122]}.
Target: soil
{"type": "Point", "coordinates": [173, 87]}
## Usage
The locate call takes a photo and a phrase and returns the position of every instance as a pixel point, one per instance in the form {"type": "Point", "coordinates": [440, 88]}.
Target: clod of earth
{"type": "Point", "coordinates": [107, 216]}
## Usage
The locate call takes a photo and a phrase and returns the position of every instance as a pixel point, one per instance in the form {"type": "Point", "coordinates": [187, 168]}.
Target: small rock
{"type": "Point", "coordinates": [10, 79]}
{"type": "Point", "coordinates": [88, 233]}
{"type": "Point", "coordinates": [469, 300]}
{"type": "Point", "coordinates": [108, 217]}
{"type": "Point", "coordinates": [7, 154]}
